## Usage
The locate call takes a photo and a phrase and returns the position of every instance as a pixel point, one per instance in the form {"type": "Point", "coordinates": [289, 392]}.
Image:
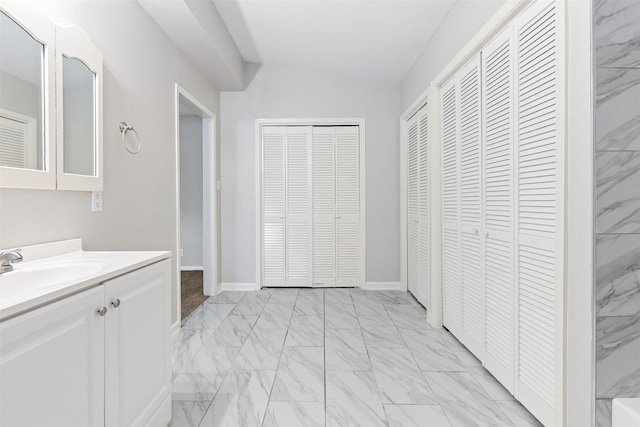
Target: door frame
{"type": "Point", "coordinates": [358, 121]}
{"type": "Point", "coordinates": [211, 283]}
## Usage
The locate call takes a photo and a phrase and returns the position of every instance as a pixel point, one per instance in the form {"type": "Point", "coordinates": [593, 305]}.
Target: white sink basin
{"type": "Point", "coordinates": [40, 275]}
{"type": "Point", "coordinates": [626, 412]}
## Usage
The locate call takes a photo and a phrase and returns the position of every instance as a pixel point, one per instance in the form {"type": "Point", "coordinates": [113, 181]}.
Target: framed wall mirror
{"type": "Point", "coordinates": [79, 112]}
{"type": "Point", "coordinates": [27, 139]}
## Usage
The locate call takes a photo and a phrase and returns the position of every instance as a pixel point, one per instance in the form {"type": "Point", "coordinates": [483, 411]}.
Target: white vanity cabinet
{"type": "Point", "coordinates": [97, 358]}
{"type": "Point", "coordinates": [138, 348]}
{"type": "Point", "coordinates": [52, 364]}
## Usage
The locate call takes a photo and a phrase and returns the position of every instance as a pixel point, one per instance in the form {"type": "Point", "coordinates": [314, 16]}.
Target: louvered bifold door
{"type": "Point", "coordinates": [537, 120]}
{"type": "Point", "coordinates": [17, 143]}
{"type": "Point", "coordinates": [347, 206]}
{"type": "Point", "coordinates": [498, 140]}
{"type": "Point", "coordinates": [424, 247]}
{"type": "Point", "coordinates": [298, 204]}
{"type": "Point", "coordinates": [413, 228]}
{"type": "Point", "coordinates": [273, 205]}
{"type": "Point", "coordinates": [323, 149]}
{"type": "Point", "coordinates": [452, 290]}
{"type": "Point", "coordinates": [472, 235]}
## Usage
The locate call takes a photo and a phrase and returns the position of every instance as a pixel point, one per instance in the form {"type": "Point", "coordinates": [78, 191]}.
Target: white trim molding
{"type": "Point", "coordinates": [236, 286]}
{"type": "Point", "coordinates": [175, 327]}
{"type": "Point", "coordinates": [578, 359]}
{"type": "Point", "coordinates": [191, 268]}
{"type": "Point", "coordinates": [382, 286]}
{"type": "Point", "coordinates": [210, 195]}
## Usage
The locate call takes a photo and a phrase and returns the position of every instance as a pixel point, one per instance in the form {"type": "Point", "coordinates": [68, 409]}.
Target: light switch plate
{"type": "Point", "coordinates": [96, 201]}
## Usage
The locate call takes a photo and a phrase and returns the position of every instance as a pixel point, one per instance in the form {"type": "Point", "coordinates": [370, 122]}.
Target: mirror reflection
{"type": "Point", "coordinates": [78, 115]}
{"type": "Point", "coordinates": [21, 97]}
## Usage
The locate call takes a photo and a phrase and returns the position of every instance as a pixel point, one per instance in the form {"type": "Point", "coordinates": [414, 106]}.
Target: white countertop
{"type": "Point", "coordinates": [18, 296]}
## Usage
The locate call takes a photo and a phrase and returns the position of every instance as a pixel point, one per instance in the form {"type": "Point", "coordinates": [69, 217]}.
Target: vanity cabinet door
{"type": "Point", "coordinates": [138, 372]}
{"type": "Point", "coordinates": [52, 364]}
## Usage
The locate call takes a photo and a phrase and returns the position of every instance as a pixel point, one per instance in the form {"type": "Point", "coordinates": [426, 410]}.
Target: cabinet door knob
{"type": "Point", "coordinates": [102, 311]}
{"type": "Point", "coordinates": [115, 303]}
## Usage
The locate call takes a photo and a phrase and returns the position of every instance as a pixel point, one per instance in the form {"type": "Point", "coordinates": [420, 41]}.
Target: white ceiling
{"type": "Point", "coordinates": [373, 39]}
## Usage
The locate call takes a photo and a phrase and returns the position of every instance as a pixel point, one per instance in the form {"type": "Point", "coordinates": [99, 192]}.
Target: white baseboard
{"type": "Point", "coordinates": [432, 322]}
{"type": "Point", "coordinates": [175, 327]}
{"type": "Point", "coordinates": [191, 268]}
{"type": "Point", "coordinates": [382, 286]}
{"type": "Point", "coordinates": [235, 286]}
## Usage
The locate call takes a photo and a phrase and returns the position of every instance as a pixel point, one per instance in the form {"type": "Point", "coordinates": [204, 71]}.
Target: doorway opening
{"type": "Point", "coordinates": [196, 213]}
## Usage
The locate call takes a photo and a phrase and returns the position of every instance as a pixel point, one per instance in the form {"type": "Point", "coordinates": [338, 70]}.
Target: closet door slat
{"type": "Point", "coordinates": [536, 59]}
{"type": "Point", "coordinates": [413, 201]}
{"type": "Point", "coordinates": [348, 205]}
{"type": "Point", "coordinates": [452, 289]}
{"type": "Point", "coordinates": [472, 239]}
{"type": "Point", "coordinates": [424, 218]}
{"type": "Point", "coordinates": [498, 140]}
{"type": "Point", "coordinates": [298, 201]}
{"type": "Point", "coordinates": [324, 206]}
{"type": "Point", "coordinates": [273, 205]}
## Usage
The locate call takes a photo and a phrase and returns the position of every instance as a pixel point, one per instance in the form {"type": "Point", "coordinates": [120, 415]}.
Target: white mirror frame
{"type": "Point", "coordinates": [73, 42]}
{"type": "Point", "coordinates": [41, 29]}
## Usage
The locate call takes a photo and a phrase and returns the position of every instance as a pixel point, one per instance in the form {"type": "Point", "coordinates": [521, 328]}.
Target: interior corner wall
{"type": "Point", "coordinates": [141, 67]}
{"type": "Point", "coordinates": [463, 21]}
{"type": "Point", "coordinates": [280, 92]}
{"type": "Point", "coordinates": [191, 191]}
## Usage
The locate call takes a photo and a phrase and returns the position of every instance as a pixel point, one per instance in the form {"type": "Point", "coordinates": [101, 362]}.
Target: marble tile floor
{"type": "Point", "coordinates": [329, 357]}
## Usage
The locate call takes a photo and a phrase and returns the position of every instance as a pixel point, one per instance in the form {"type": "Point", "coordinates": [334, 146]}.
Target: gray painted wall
{"type": "Point", "coordinates": [290, 93]}
{"type": "Point", "coordinates": [191, 190]}
{"type": "Point", "coordinates": [463, 21]}
{"type": "Point", "coordinates": [141, 67]}
{"type": "Point", "coordinates": [617, 168]}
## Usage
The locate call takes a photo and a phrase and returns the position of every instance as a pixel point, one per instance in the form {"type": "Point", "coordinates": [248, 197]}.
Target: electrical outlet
{"type": "Point", "coordinates": [96, 201]}
{"type": "Point", "coordinates": [181, 252]}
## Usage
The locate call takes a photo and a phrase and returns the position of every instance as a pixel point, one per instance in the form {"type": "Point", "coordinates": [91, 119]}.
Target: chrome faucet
{"type": "Point", "coordinates": [8, 258]}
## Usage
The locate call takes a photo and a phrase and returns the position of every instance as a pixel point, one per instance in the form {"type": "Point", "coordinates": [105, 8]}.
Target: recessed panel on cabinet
{"type": "Point", "coordinates": [52, 364]}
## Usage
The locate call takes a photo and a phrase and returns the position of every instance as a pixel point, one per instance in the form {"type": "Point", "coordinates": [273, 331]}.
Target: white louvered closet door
{"type": "Point", "coordinates": [17, 143]}
{"type": "Point", "coordinates": [424, 218]}
{"type": "Point", "coordinates": [324, 206]}
{"type": "Point", "coordinates": [418, 239]}
{"type": "Point", "coordinates": [498, 140]}
{"type": "Point", "coordinates": [413, 200]}
{"type": "Point", "coordinates": [471, 233]}
{"type": "Point", "coordinates": [452, 289]}
{"type": "Point", "coordinates": [537, 121]}
{"type": "Point", "coordinates": [298, 203]}
{"type": "Point", "coordinates": [347, 205]}
{"type": "Point", "coordinates": [273, 205]}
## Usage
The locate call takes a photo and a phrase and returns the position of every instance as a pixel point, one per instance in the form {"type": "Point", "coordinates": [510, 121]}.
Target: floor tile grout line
{"type": "Point", "coordinates": [411, 354]}
{"type": "Point", "coordinates": [366, 347]}
{"type": "Point", "coordinates": [275, 376]}
{"type": "Point", "coordinates": [388, 306]}
{"type": "Point", "coordinates": [226, 375]}
{"type": "Point", "coordinates": [234, 361]}
{"type": "Point", "coordinates": [324, 352]}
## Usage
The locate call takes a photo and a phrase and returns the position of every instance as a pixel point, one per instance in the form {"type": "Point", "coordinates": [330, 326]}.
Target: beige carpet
{"type": "Point", "coordinates": [191, 291]}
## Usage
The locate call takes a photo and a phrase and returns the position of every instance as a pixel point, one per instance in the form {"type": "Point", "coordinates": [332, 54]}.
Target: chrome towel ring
{"type": "Point", "coordinates": [124, 128]}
